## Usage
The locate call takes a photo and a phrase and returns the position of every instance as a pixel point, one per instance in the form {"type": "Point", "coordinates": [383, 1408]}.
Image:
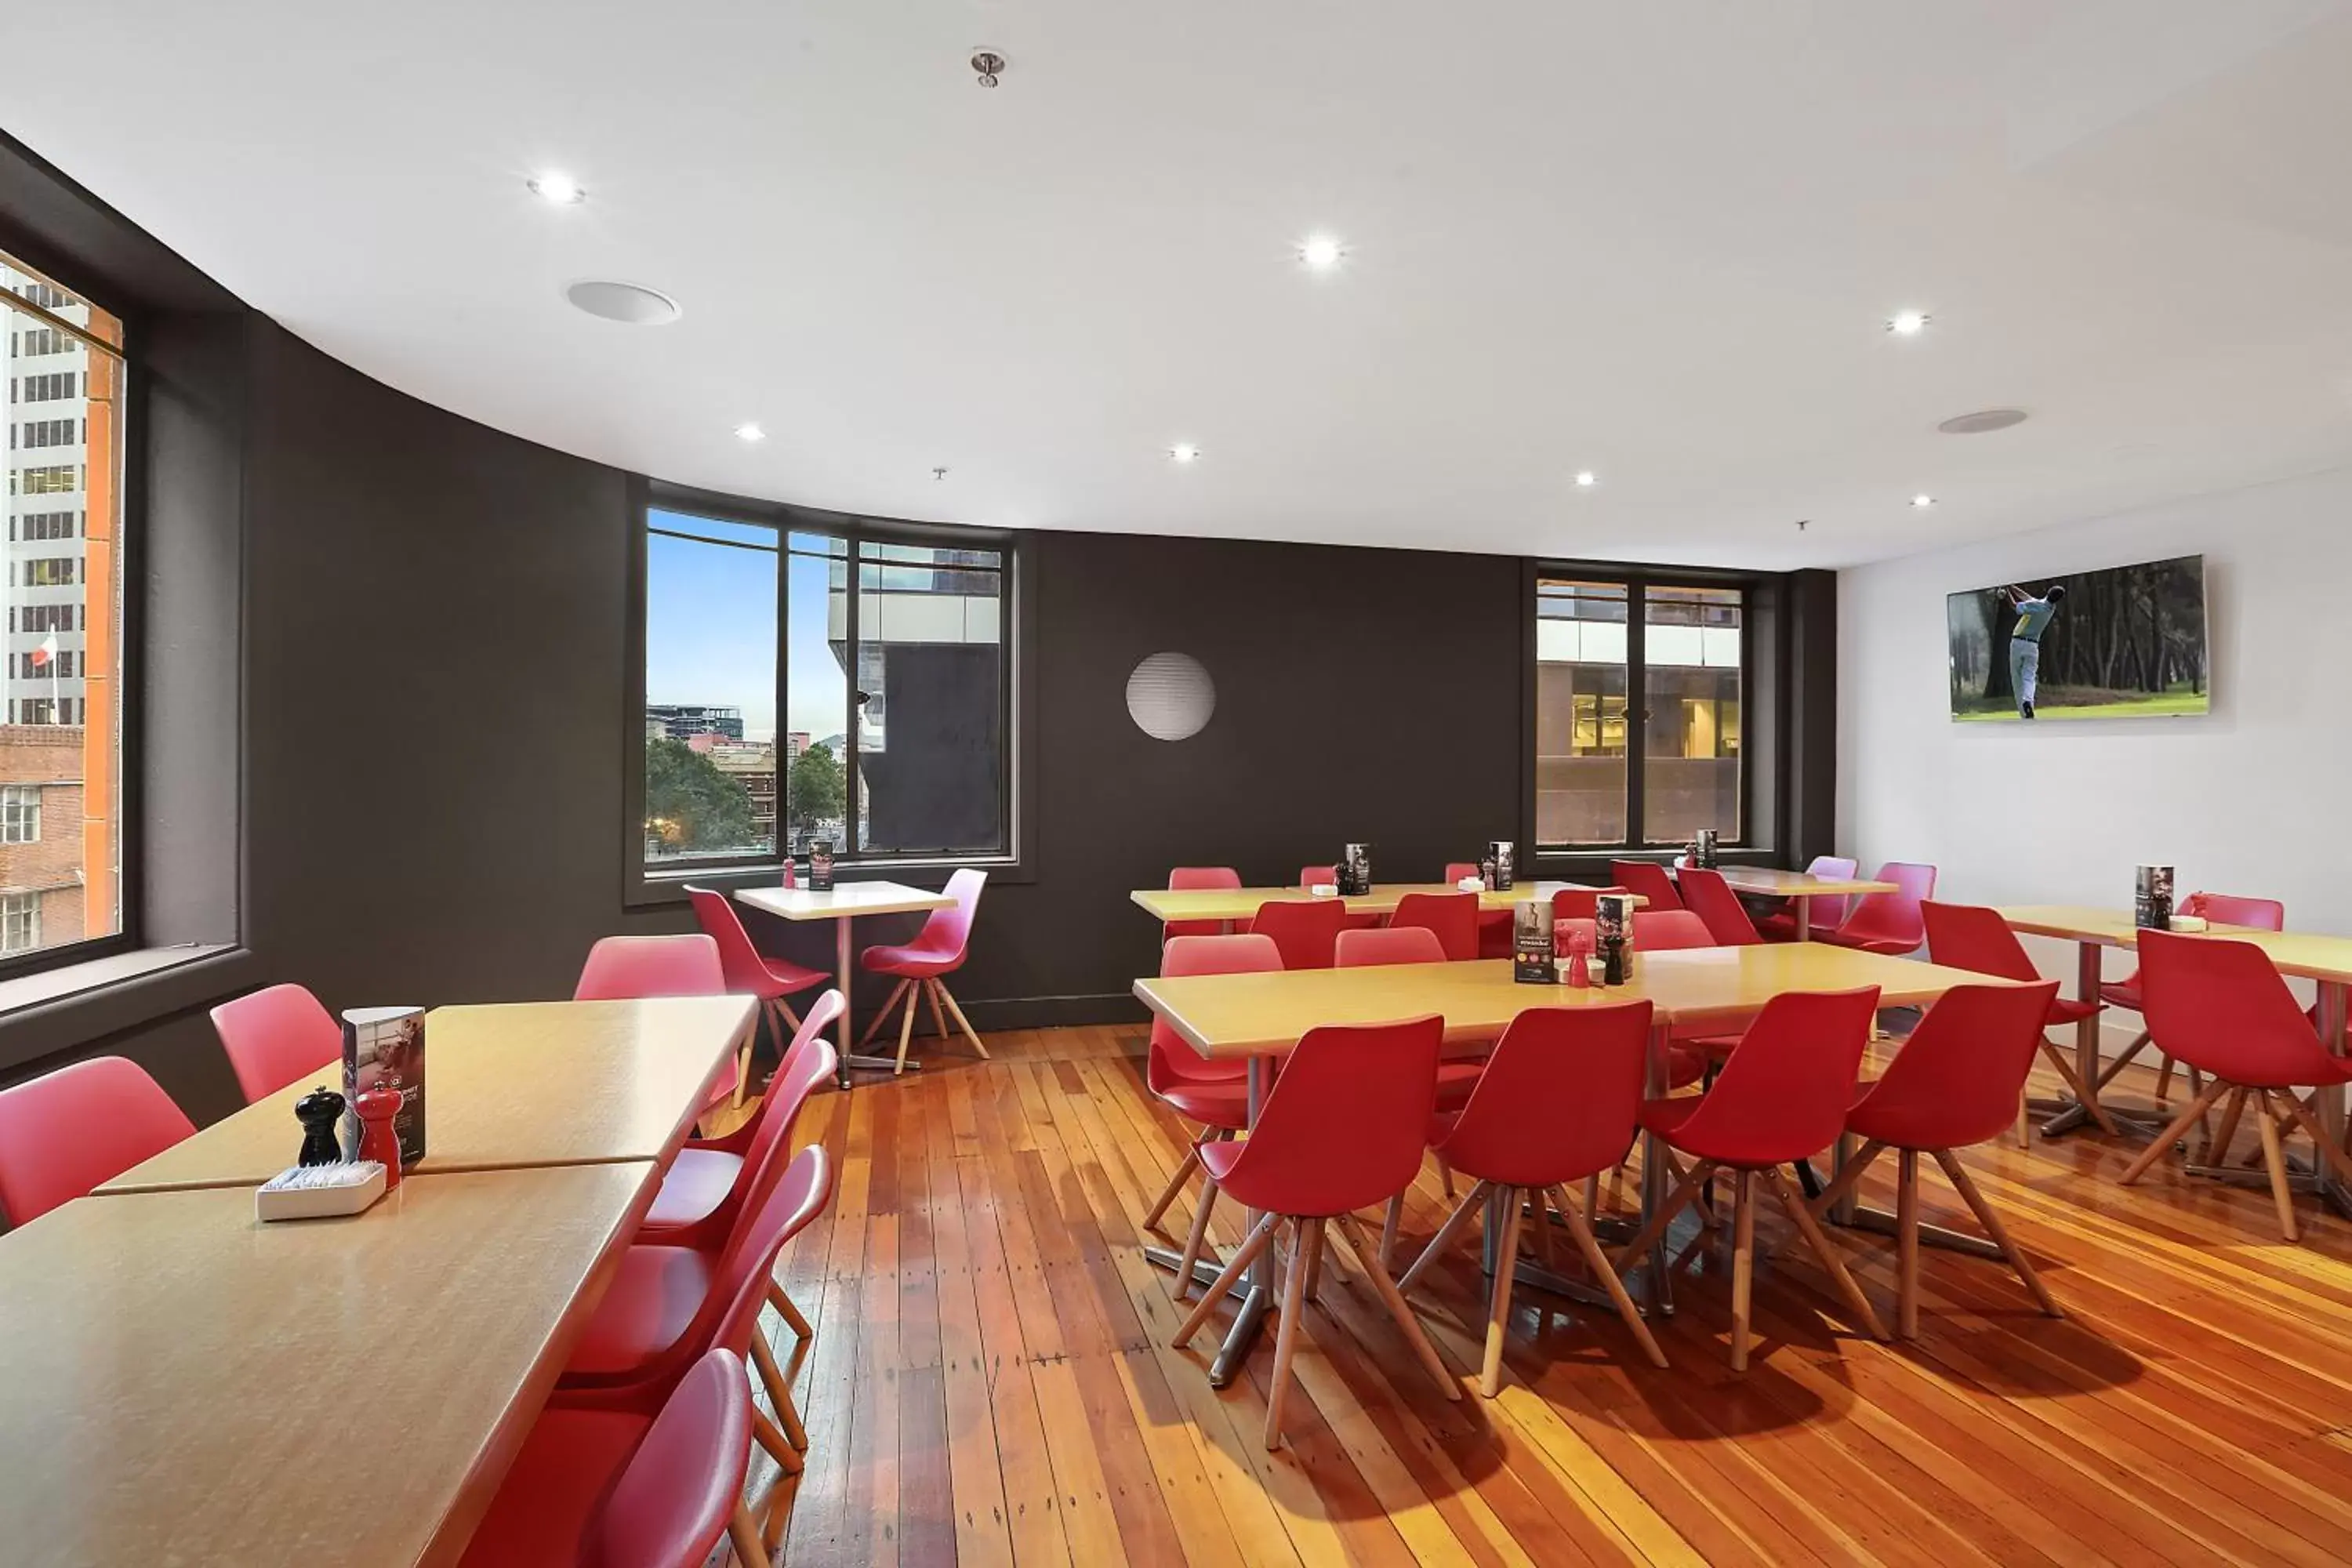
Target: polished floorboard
{"type": "Point", "coordinates": [990, 1379]}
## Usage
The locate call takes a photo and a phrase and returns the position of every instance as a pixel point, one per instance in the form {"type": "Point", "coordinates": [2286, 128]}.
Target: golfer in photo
{"type": "Point", "coordinates": [2034, 618]}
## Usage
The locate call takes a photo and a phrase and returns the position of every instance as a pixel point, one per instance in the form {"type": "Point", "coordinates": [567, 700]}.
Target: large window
{"type": "Point", "coordinates": [60, 713]}
{"type": "Point", "coordinates": [781, 707]}
{"type": "Point", "coordinates": [1621, 765]}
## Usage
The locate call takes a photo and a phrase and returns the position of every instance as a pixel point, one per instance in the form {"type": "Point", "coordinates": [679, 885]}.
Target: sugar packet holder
{"type": "Point", "coordinates": [318, 1192]}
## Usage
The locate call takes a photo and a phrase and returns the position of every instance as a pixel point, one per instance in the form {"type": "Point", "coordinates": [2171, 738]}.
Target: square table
{"type": "Point", "coordinates": [1233, 905]}
{"type": "Point", "coordinates": [2326, 960]}
{"type": "Point", "coordinates": [506, 1085]}
{"type": "Point", "coordinates": [1800, 887]}
{"type": "Point", "coordinates": [186, 1384]}
{"type": "Point", "coordinates": [842, 904]}
{"type": "Point", "coordinates": [1256, 1018]}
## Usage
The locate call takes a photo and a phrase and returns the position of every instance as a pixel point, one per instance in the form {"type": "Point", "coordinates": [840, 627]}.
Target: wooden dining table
{"type": "Point", "coordinates": [1256, 1018]}
{"type": "Point", "coordinates": [1233, 905]}
{"type": "Point", "coordinates": [183, 1383]}
{"type": "Point", "coordinates": [2305, 955]}
{"type": "Point", "coordinates": [844, 903]}
{"type": "Point", "coordinates": [1800, 887]}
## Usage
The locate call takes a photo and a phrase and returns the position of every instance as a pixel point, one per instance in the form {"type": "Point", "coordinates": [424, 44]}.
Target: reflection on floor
{"type": "Point", "coordinates": [990, 1380]}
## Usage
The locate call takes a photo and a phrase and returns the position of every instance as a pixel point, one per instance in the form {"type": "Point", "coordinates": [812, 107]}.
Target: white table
{"type": "Point", "coordinates": [842, 904]}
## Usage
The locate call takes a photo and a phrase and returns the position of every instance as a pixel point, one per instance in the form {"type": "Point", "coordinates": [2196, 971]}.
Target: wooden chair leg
{"type": "Point", "coordinates": [1193, 1240]}
{"type": "Point", "coordinates": [2108, 1073]}
{"type": "Point", "coordinates": [1592, 1196]}
{"type": "Point", "coordinates": [2164, 1081]}
{"type": "Point", "coordinates": [948, 996]}
{"type": "Point", "coordinates": [2225, 1132]}
{"type": "Point", "coordinates": [2275, 1158]}
{"type": "Point", "coordinates": [1906, 1244]}
{"type": "Point", "coordinates": [1598, 1262]}
{"type": "Point", "coordinates": [743, 1534]}
{"type": "Point", "coordinates": [2089, 1098]}
{"type": "Point", "coordinates": [2024, 1118]}
{"type": "Point", "coordinates": [2300, 1114]}
{"type": "Point", "coordinates": [1655, 1226]}
{"type": "Point", "coordinates": [1541, 1220]}
{"type": "Point", "coordinates": [1191, 1162]}
{"type": "Point", "coordinates": [763, 1431]}
{"type": "Point", "coordinates": [743, 1066]}
{"type": "Point", "coordinates": [1454, 1222]}
{"type": "Point", "coordinates": [1743, 1262]}
{"type": "Point", "coordinates": [1846, 1180]}
{"type": "Point", "coordinates": [1794, 1203]}
{"type": "Point", "coordinates": [783, 1303]}
{"type": "Point", "coordinates": [1956, 1174]}
{"type": "Point", "coordinates": [780, 1390]}
{"type": "Point", "coordinates": [2166, 1139]}
{"type": "Point", "coordinates": [939, 1018]}
{"type": "Point", "coordinates": [1498, 1305]}
{"type": "Point", "coordinates": [1304, 1234]}
{"type": "Point", "coordinates": [1385, 1287]}
{"type": "Point", "coordinates": [1445, 1174]}
{"type": "Point", "coordinates": [881, 1014]}
{"type": "Point", "coordinates": [905, 1033]}
{"type": "Point", "coordinates": [1245, 1255]}
{"type": "Point", "coordinates": [1315, 1266]}
{"type": "Point", "coordinates": [1388, 1223]}
{"type": "Point", "coordinates": [790, 1017]}
{"type": "Point", "coordinates": [2196, 1087]}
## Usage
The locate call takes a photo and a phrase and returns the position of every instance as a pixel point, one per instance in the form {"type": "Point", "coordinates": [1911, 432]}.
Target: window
{"type": "Point", "coordinates": [20, 814]}
{"type": "Point", "coordinates": [781, 707]}
{"type": "Point", "coordinates": [60, 747]}
{"type": "Point", "coordinates": [1614, 775]}
{"type": "Point", "coordinates": [20, 923]}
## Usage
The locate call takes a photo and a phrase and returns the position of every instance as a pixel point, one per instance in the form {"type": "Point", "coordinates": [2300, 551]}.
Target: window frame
{"type": "Point", "coordinates": [651, 883]}
{"type": "Point", "coordinates": [1756, 838]}
{"type": "Point", "coordinates": [129, 524]}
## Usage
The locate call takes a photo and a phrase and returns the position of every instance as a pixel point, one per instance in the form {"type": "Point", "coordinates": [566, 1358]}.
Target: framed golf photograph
{"type": "Point", "coordinates": [2124, 642]}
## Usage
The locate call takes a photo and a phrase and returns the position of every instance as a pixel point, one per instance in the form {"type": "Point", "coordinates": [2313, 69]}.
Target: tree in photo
{"type": "Point", "coordinates": [689, 804]}
{"type": "Point", "coordinates": [817, 792]}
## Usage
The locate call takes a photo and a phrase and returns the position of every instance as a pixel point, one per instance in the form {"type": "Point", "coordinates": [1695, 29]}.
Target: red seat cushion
{"type": "Point", "coordinates": [1454, 1082]}
{"type": "Point", "coordinates": [2068, 1010]}
{"type": "Point", "coordinates": [911, 962]}
{"type": "Point", "coordinates": [568, 1464]}
{"type": "Point", "coordinates": [1919, 1125]}
{"type": "Point", "coordinates": [2120, 994]}
{"type": "Point", "coordinates": [693, 1187]}
{"type": "Point", "coordinates": [791, 977]}
{"type": "Point", "coordinates": [1211, 1103]}
{"type": "Point", "coordinates": [1893, 947]}
{"type": "Point", "coordinates": [654, 1295]}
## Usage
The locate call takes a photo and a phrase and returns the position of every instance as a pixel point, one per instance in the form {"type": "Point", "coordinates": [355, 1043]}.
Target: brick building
{"type": "Point", "coordinates": [42, 902]}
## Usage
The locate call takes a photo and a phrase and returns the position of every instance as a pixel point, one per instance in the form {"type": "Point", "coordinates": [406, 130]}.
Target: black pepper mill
{"type": "Point", "coordinates": [319, 1112]}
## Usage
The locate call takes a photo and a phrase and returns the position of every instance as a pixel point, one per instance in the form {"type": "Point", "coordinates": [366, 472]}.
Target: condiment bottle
{"type": "Point", "coordinates": [379, 1139]}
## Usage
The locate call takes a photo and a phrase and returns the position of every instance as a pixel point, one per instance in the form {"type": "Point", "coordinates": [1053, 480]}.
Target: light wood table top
{"type": "Point", "coordinates": [1767, 882]}
{"type": "Point", "coordinates": [186, 1385]}
{"type": "Point", "coordinates": [1242, 903]}
{"type": "Point", "coordinates": [2305, 955]}
{"type": "Point", "coordinates": [1255, 1014]}
{"type": "Point", "coordinates": [518, 1084]}
{"type": "Point", "coordinates": [842, 898]}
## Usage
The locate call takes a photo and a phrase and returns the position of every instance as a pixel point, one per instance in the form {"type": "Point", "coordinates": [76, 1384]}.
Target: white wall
{"type": "Point", "coordinates": [2250, 799]}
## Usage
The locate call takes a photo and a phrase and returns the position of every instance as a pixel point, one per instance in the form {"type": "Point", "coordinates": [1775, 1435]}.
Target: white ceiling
{"type": "Point", "coordinates": [1658, 240]}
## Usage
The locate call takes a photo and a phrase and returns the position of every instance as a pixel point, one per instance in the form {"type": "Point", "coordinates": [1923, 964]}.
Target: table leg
{"type": "Point", "coordinates": [1801, 912]}
{"type": "Point", "coordinates": [843, 957]}
{"type": "Point", "coordinates": [2332, 1189]}
{"type": "Point", "coordinates": [1848, 1212]}
{"type": "Point", "coordinates": [1656, 1298]}
{"type": "Point", "coordinates": [1250, 1320]}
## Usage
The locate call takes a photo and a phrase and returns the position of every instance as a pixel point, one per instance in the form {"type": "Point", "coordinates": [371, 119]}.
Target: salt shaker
{"type": "Point", "coordinates": [1579, 974]}
{"type": "Point", "coordinates": [379, 1139]}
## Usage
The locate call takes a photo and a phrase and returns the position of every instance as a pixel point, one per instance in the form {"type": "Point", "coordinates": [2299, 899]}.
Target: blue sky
{"type": "Point", "coordinates": [711, 629]}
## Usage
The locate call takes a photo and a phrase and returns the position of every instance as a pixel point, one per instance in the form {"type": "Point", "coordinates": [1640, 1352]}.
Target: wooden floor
{"type": "Point", "coordinates": [990, 1380]}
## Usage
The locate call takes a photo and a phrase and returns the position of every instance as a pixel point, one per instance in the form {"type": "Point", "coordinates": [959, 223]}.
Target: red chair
{"type": "Point", "coordinates": [67, 1134]}
{"type": "Point", "coordinates": [1342, 1129]}
{"type": "Point", "coordinates": [276, 1035]}
{"type": "Point", "coordinates": [1782, 1096]}
{"type": "Point", "coordinates": [1413, 945]}
{"type": "Point", "coordinates": [628, 968]}
{"type": "Point", "coordinates": [1707, 895]}
{"type": "Point", "coordinates": [1557, 1104]}
{"type": "Point", "coordinates": [1827, 913]}
{"type": "Point", "coordinates": [748, 970]}
{"type": "Point", "coordinates": [938, 949]}
{"type": "Point", "coordinates": [1580, 903]}
{"type": "Point", "coordinates": [1648, 878]}
{"type": "Point", "coordinates": [614, 1488]}
{"type": "Point", "coordinates": [1311, 876]}
{"type": "Point", "coordinates": [1494, 925]}
{"type": "Point", "coordinates": [2221, 909]}
{"type": "Point", "coordinates": [1955, 1082]}
{"type": "Point", "coordinates": [2221, 1007]}
{"type": "Point", "coordinates": [1186, 878]}
{"type": "Point", "coordinates": [1888, 923]}
{"type": "Point", "coordinates": [1655, 930]}
{"type": "Point", "coordinates": [1304, 930]}
{"type": "Point", "coordinates": [1452, 916]}
{"type": "Point", "coordinates": [1214, 1093]}
{"type": "Point", "coordinates": [1964, 936]}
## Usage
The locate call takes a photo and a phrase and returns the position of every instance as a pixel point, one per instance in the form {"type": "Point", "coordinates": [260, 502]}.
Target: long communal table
{"type": "Point", "coordinates": [1801, 889]}
{"type": "Point", "coordinates": [1236, 904]}
{"type": "Point", "coordinates": [184, 1384]}
{"type": "Point", "coordinates": [1256, 1018]}
{"type": "Point", "coordinates": [2303, 956]}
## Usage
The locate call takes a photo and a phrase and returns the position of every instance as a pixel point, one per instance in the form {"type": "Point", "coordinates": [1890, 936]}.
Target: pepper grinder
{"type": "Point", "coordinates": [379, 1139]}
{"type": "Point", "coordinates": [318, 1111]}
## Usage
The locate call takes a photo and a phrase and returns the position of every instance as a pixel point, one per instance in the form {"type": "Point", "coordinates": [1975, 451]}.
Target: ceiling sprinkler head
{"type": "Point", "coordinates": [988, 64]}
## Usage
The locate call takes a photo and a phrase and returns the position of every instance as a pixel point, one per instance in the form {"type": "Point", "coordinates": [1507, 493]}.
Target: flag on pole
{"type": "Point", "coordinates": [47, 652]}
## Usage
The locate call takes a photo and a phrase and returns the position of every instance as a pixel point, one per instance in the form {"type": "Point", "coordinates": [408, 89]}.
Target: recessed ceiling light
{"type": "Point", "coordinates": [1923, 501]}
{"type": "Point", "coordinates": [1321, 253]}
{"type": "Point", "coordinates": [1184, 452]}
{"type": "Point", "coordinates": [747, 431]}
{"type": "Point", "coordinates": [1908, 323]}
{"type": "Point", "coordinates": [1586, 479]}
{"type": "Point", "coordinates": [632, 303]}
{"type": "Point", "coordinates": [559, 188]}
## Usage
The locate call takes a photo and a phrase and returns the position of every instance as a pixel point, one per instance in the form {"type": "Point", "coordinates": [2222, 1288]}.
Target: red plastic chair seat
{"type": "Point", "coordinates": [693, 1187]}
{"type": "Point", "coordinates": [2121, 994]}
{"type": "Point", "coordinates": [653, 1300]}
{"type": "Point", "coordinates": [1782, 927]}
{"type": "Point", "coordinates": [551, 1493]}
{"type": "Point", "coordinates": [913, 962]}
{"type": "Point", "coordinates": [2072, 1010]}
{"type": "Point", "coordinates": [1666, 1117]}
{"type": "Point", "coordinates": [1454, 1082]}
{"type": "Point", "coordinates": [1894, 947]}
{"type": "Point", "coordinates": [1913, 1125]}
{"type": "Point", "coordinates": [1223, 1105]}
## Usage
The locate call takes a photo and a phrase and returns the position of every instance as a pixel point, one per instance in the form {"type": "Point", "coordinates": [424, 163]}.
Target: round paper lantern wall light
{"type": "Point", "coordinates": [1171, 697]}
